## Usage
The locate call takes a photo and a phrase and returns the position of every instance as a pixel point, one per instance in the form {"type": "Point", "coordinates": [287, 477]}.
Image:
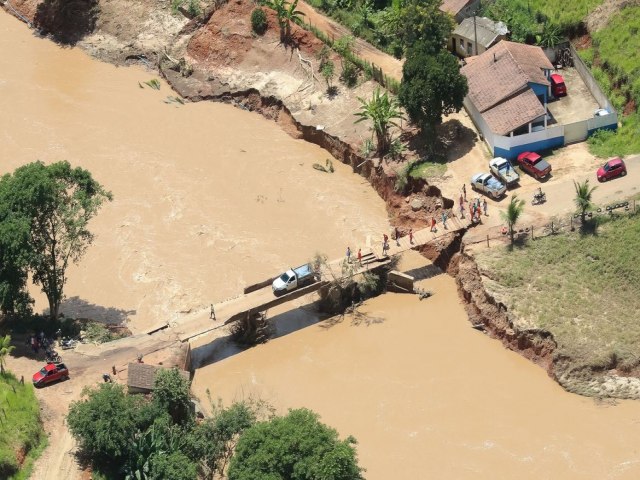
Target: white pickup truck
{"type": "Point", "coordinates": [502, 169]}
{"type": "Point", "coordinates": [294, 278]}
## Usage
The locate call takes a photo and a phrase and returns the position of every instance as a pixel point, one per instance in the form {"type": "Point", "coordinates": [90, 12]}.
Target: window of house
{"type": "Point", "coordinates": [469, 48]}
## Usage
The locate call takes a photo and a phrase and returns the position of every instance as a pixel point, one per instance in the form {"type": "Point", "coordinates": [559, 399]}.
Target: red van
{"type": "Point", "coordinates": [558, 88]}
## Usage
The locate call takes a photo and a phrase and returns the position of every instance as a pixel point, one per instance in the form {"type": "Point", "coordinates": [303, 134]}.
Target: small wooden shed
{"type": "Point", "coordinates": [141, 376]}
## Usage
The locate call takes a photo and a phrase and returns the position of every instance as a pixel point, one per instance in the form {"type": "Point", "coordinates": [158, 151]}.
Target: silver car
{"type": "Point", "coordinates": [488, 184]}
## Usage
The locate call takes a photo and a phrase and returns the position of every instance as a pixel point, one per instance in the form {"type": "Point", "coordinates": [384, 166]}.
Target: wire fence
{"type": "Point", "coordinates": [559, 224]}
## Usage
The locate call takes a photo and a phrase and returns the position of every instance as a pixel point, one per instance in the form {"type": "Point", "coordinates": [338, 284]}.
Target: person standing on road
{"type": "Point", "coordinates": [444, 219]}
{"type": "Point", "coordinates": [484, 206]}
{"type": "Point", "coordinates": [411, 236]}
{"type": "Point", "coordinates": [464, 191]}
{"type": "Point", "coordinates": [397, 233]}
{"type": "Point", "coordinates": [433, 224]}
{"type": "Point", "coordinates": [348, 254]}
{"type": "Point", "coordinates": [360, 256]}
{"type": "Point", "coordinates": [461, 209]}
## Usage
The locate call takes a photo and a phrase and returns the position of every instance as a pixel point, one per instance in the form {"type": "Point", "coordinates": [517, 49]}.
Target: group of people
{"type": "Point", "coordinates": [36, 342]}
{"type": "Point", "coordinates": [476, 206]}
{"type": "Point", "coordinates": [358, 256]}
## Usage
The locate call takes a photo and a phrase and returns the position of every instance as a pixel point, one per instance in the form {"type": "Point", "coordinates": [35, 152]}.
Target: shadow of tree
{"type": "Point", "coordinates": [67, 21]}
{"type": "Point", "coordinates": [454, 140]}
{"type": "Point", "coordinates": [76, 307]}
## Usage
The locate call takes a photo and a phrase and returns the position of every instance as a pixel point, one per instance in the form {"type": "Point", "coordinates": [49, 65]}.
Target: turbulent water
{"type": "Point", "coordinates": [209, 198]}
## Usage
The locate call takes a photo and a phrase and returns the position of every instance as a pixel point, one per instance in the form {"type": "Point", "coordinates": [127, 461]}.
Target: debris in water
{"type": "Point", "coordinates": [153, 83]}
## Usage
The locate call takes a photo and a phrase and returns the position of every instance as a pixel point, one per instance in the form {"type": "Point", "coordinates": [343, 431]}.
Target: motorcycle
{"type": "Point", "coordinates": [68, 343]}
{"type": "Point", "coordinates": [539, 197]}
{"type": "Point", "coordinates": [52, 356]}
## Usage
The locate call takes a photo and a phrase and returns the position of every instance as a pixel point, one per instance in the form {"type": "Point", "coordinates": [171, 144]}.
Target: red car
{"type": "Point", "coordinates": [534, 164]}
{"type": "Point", "coordinates": [558, 88]}
{"type": "Point", "coordinates": [612, 169]}
{"type": "Point", "coordinates": [51, 372]}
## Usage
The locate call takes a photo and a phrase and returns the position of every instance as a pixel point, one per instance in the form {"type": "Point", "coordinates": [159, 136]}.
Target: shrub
{"type": "Point", "coordinates": [349, 75]}
{"type": "Point", "coordinates": [259, 22]}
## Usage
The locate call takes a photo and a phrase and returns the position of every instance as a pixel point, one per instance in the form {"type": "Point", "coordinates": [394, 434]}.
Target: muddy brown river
{"type": "Point", "coordinates": [208, 199]}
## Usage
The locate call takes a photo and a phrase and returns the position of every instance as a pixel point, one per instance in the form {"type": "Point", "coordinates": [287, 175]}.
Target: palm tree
{"type": "Point", "coordinates": [5, 349]}
{"type": "Point", "coordinates": [583, 198]}
{"type": "Point", "coordinates": [286, 13]}
{"type": "Point", "coordinates": [511, 216]}
{"type": "Point", "coordinates": [381, 110]}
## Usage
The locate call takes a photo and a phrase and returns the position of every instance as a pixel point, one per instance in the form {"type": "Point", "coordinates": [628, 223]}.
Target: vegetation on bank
{"type": "Point", "coordinates": [580, 287]}
{"type": "Point", "coordinates": [136, 437]}
{"type": "Point", "coordinates": [21, 433]}
{"type": "Point", "coordinates": [44, 215]}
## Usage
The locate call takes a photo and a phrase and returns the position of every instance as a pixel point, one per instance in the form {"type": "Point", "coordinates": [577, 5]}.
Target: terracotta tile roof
{"type": "Point", "coordinates": [142, 375]}
{"type": "Point", "coordinates": [490, 82]}
{"type": "Point", "coordinates": [499, 79]}
{"type": "Point", "coordinates": [453, 6]}
{"type": "Point", "coordinates": [514, 113]}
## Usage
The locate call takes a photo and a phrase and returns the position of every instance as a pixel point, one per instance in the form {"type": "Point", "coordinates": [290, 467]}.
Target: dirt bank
{"type": "Point", "coordinates": [221, 60]}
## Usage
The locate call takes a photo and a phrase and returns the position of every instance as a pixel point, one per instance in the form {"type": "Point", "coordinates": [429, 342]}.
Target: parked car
{"type": "Point", "coordinates": [614, 167]}
{"type": "Point", "coordinates": [558, 88]}
{"type": "Point", "coordinates": [51, 372]}
{"type": "Point", "coordinates": [501, 168]}
{"type": "Point", "coordinates": [601, 112]}
{"type": "Point", "coordinates": [487, 184]}
{"type": "Point", "coordinates": [534, 164]}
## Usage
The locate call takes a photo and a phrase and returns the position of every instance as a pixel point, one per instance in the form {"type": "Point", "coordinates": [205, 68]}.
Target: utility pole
{"type": "Point", "coordinates": [475, 32]}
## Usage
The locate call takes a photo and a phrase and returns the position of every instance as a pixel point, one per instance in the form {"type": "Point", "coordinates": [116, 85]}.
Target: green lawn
{"type": "Point", "coordinates": [428, 169]}
{"type": "Point", "coordinates": [20, 427]}
{"type": "Point", "coordinates": [583, 289]}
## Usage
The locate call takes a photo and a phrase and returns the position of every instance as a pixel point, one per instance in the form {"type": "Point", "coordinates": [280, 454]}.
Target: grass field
{"type": "Point", "coordinates": [20, 427]}
{"type": "Point", "coordinates": [583, 289]}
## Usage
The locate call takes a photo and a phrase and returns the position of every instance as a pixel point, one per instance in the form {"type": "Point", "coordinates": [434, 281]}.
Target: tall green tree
{"type": "Point", "coordinates": [382, 110]}
{"type": "Point", "coordinates": [56, 202]}
{"type": "Point", "coordinates": [432, 86]}
{"type": "Point", "coordinates": [213, 441]}
{"type": "Point", "coordinates": [171, 394]}
{"type": "Point", "coordinates": [105, 422]}
{"type": "Point", "coordinates": [5, 349]}
{"type": "Point", "coordinates": [423, 21]}
{"type": "Point", "coordinates": [14, 258]}
{"type": "Point", "coordinates": [512, 215]}
{"type": "Point", "coordinates": [583, 198]}
{"type": "Point", "coordinates": [296, 447]}
{"type": "Point", "coordinates": [286, 13]}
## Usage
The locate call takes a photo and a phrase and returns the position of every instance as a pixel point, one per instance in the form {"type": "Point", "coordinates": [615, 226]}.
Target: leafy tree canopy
{"type": "Point", "coordinates": [104, 423]}
{"type": "Point", "coordinates": [171, 393]}
{"type": "Point", "coordinates": [294, 447]}
{"type": "Point", "coordinates": [432, 86]}
{"type": "Point", "coordinates": [44, 215]}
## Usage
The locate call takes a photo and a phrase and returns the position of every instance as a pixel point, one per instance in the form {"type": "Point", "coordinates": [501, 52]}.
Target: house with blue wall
{"type": "Point", "coordinates": [509, 91]}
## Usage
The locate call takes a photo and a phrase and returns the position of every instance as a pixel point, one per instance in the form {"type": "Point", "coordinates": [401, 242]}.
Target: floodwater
{"type": "Point", "coordinates": [429, 397]}
{"type": "Point", "coordinates": [209, 198]}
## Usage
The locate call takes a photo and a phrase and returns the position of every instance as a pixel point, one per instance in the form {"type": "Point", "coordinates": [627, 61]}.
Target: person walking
{"type": "Point", "coordinates": [360, 256]}
{"type": "Point", "coordinates": [397, 233]}
{"type": "Point", "coordinates": [464, 191]}
{"type": "Point", "coordinates": [444, 219]}
{"type": "Point", "coordinates": [433, 224]}
{"type": "Point", "coordinates": [348, 254]}
{"type": "Point", "coordinates": [461, 210]}
{"type": "Point", "coordinates": [484, 206]}
{"type": "Point", "coordinates": [411, 236]}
